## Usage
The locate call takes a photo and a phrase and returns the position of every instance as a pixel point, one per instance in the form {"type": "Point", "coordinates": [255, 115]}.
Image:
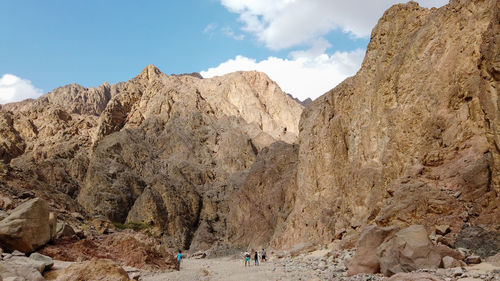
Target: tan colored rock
{"type": "Point", "coordinates": [27, 227]}
{"type": "Point", "coordinates": [415, 277]}
{"type": "Point", "coordinates": [94, 270]}
{"type": "Point", "coordinates": [410, 249]}
{"type": "Point", "coordinates": [444, 251]}
{"type": "Point", "coordinates": [190, 141]}
{"type": "Point", "coordinates": [64, 230]}
{"type": "Point", "coordinates": [449, 262]}
{"type": "Point", "coordinates": [25, 261]}
{"type": "Point", "coordinates": [494, 260]}
{"type": "Point", "coordinates": [412, 137]}
{"type": "Point", "coordinates": [442, 229]}
{"type": "Point", "coordinates": [22, 271]}
{"type": "Point", "coordinates": [47, 261]}
{"type": "Point", "coordinates": [155, 162]}
{"type": "Point", "coordinates": [52, 225]}
{"type": "Point", "coordinates": [366, 259]}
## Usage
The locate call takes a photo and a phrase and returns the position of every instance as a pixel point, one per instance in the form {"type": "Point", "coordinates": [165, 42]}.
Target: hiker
{"type": "Point", "coordinates": [179, 258]}
{"type": "Point", "coordinates": [256, 258]}
{"type": "Point", "coordinates": [263, 254]}
{"type": "Point", "coordinates": [247, 258]}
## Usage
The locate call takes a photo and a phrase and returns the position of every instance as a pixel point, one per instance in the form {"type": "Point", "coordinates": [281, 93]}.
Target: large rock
{"type": "Point", "coordinates": [481, 241]}
{"type": "Point", "coordinates": [94, 270]}
{"type": "Point", "coordinates": [366, 259]}
{"type": "Point", "coordinates": [410, 249]}
{"type": "Point", "coordinates": [24, 272]}
{"type": "Point", "coordinates": [412, 138]}
{"type": "Point", "coordinates": [27, 227]}
{"type": "Point", "coordinates": [47, 261]}
{"type": "Point", "coordinates": [64, 230]}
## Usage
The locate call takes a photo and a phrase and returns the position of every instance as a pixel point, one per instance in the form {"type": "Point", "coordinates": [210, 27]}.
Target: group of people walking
{"type": "Point", "coordinates": [256, 257]}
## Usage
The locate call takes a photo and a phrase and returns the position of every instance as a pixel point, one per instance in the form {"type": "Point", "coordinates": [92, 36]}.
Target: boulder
{"type": "Point", "coordinates": [481, 241]}
{"type": "Point", "coordinates": [46, 260]}
{"type": "Point", "coordinates": [198, 255]}
{"type": "Point", "coordinates": [494, 260]}
{"type": "Point", "coordinates": [473, 260]}
{"type": "Point", "coordinates": [410, 249]}
{"type": "Point", "coordinates": [25, 261]}
{"type": "Point", "coordinates": [414, 276]}
{"type": "Point", "coordinates": [442, 229]}
{"type": "Point", "coordinates": [64, 230]}
{"type": "Point", "coordinates": [444, 251]}
{"type": "Point", "coordinates": [21, 271]}
{"type": "Point", "coordinates": [27, 227]}
{"type": "Point", "coordinates": [449, 262]}
{"type": "Point", "coordinates": [6, 203]}
{"type": "Point", "coordinates": [366, 259]}
{"type": "Point", "coordinates": [94, 270]}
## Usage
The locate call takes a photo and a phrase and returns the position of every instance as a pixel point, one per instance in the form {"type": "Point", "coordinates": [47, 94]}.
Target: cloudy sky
{"type": "Point", "coordinates": [307, 46]}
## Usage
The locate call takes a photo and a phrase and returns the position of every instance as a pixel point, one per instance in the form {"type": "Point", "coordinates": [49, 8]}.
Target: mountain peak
{"type": "Point", "coordinates": [150, 72]}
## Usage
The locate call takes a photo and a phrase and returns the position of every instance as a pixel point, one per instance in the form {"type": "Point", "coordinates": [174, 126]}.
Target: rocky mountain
{"type": "Point", "coordinates": [166, 151]}
{"type": "Point", "coordinates": [412, 138]}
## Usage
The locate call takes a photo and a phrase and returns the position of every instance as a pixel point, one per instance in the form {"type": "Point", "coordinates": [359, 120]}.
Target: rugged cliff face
{"type": "Point", "coordinates": [259, 209]}
{"type": "Point", "coordinates": [413, 137]}
{"type": "Point", "coordinates": [163, 150]}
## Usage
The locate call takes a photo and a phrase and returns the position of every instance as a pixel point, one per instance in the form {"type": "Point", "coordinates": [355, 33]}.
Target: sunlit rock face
{"type": "Point", "coordinates": [413, 137]}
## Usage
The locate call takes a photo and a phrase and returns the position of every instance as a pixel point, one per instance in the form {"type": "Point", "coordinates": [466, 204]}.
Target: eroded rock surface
{"type": "Point", "coordinates": [258, 211]}
{"type": "Point", "coordinates": [166, 151]}
{"type": "Point", "coordinates": [412, 138]}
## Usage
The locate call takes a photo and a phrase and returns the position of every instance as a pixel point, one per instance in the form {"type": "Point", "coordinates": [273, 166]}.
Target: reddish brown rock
{"type": "Point", "coordinates": [143, 252]}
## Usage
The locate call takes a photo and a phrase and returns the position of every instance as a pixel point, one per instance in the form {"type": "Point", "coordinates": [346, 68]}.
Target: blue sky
{"type": "Point", "coordinates": [46, 44]}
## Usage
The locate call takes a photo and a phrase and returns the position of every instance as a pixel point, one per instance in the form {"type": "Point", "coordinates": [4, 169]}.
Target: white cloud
{"type": "Point", "coordinates": [229, 32]}
{"type": "Point", "coordinates": [210, 28]}
{"type": "Point", "coordinates": [307, 74]}
{"type": "Point", "coordinates": [13, 88]}
{"type": "Point", "coordinates": [283, 24]}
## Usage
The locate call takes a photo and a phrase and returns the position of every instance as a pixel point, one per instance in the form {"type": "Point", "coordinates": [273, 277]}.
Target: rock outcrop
{"type": "Point", "coordinates": [259, 209]}
{"type": "Point", "coordinates": [412, 138]}
{"type": "Point", "coordinates": [166, 151]}
{"type": "Point", "coordinates": [142, 252]}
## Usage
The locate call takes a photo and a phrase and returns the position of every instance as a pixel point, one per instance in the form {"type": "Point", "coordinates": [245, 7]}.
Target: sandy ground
{"type": "Point", "coordinates": [223, 269]}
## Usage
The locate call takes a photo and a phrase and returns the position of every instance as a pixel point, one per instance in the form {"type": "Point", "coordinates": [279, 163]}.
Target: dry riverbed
{"type": "Point", "coordinates": [313, 266]}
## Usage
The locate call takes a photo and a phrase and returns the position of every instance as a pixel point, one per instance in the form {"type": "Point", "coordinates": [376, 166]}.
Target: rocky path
{"type": "Point", "coordinates": [311, 267]}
